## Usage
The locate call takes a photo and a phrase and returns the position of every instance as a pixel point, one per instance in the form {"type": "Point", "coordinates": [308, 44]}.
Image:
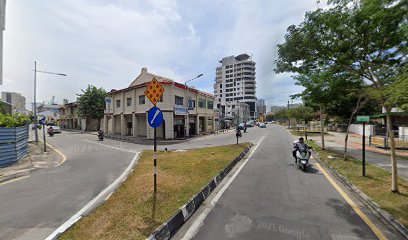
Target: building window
{"type": "Point", "coordinates": [191, 104]}
{"type": "Point", "coordinates": [142, 99]}
{"type": "Point", "coordinates": [178, 100]}
{"type": "Point", "coordinates": [117, 103]}
{"type": "Point", "coordinates": [201, 103]}
{"type": "Point", "coordinates": [128, 102]}
{"type": "Point", "coordinates": [210, 104]}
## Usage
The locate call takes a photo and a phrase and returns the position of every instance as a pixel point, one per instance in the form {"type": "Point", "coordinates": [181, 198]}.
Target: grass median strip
{"type": "Point", "coordinates": [132, 213]}
{"type": "Point", "coordinates": [376, 184]}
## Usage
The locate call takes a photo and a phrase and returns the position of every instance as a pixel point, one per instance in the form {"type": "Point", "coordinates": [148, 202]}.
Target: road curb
{"type": "Point", "coordinates": [373, 206]}
{"type": "Point", "coordinates": [95, 202]}
{"type": "Point", "coordinates": [169, 228]}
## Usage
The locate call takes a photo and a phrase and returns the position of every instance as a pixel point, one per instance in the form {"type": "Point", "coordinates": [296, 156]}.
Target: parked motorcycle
{"type": "Point", "coordinates": [303, 156]}
{"type": "Point", "coordinates": [100, 135]}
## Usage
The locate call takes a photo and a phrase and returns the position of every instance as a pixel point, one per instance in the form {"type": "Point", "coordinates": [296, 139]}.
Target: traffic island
{"type": "Point", "coordinates": [374, 188]}
{"type": "Point", "coordinates": [184, 180]}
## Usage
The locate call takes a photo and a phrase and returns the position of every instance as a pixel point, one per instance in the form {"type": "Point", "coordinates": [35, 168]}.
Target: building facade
{"type": "Point", "coordinates": [15, 99]}
{"type": "Point", "coordinates": [235, 82]}
{"type": "Point", "coordinates": [126, 110]}
{"type": "Point", "coordinates": [69, 119]}
{"type": "Point", "coordinates": [261, 107]}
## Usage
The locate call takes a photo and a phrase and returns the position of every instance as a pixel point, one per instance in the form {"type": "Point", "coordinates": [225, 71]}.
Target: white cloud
{"type": "Point", "coordinates": [106, 43]}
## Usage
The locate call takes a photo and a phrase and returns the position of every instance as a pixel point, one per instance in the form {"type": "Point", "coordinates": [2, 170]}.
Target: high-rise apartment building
{"type": "Point", "coordinates": [235, 83]}
{"type": "Point", "coordinates": [261, 106]}
{"type": "Point", "coordinates": [15, 99]}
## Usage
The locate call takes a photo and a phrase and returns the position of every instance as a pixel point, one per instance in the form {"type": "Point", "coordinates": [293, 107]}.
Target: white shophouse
{"type": "Point", "coordinates": [126, 110]}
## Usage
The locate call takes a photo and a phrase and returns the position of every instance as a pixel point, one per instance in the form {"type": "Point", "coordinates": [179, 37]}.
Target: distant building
{"type": "Point", "coordinates": [235, 83]}
{"type": "Point", "coordinates": [261, 107]}
{"type": "Point", "coordinates": [2, 28]}
{"type": "Point", "coordinates": [51, 112]}
{"type": "Point", "coordinates": [6, 108]}
{"type": "Point", "coordinates": [15, 99]}
{"type": "Point", "coordinates": [126, 109]}
{"type": "Point", "coordinates": [275, 109]}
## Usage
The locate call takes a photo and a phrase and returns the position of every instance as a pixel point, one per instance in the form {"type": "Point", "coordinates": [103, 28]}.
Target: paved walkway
{"type": "Point", "coordinates": [378, 157]}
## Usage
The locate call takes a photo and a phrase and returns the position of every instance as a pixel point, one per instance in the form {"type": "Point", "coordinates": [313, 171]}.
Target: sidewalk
{"type": "Point", "coordinates": [355, 141]}
{"type": "Point", "coordinates": [35, 160]}
{"type": "Point", "coordinates": [379, 157]}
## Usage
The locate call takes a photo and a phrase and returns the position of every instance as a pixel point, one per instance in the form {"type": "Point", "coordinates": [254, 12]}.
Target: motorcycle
{"type": "Point", "coordinates": [100, 136]}
{"type": "Point", "coordinates": [50, 132]}
{"type": "Point", "coordinates": [303, 156]}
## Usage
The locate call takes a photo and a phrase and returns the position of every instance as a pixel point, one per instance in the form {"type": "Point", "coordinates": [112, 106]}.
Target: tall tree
{"type": "Point", "coordinates": [366, 39]}
{"type": "Point", "coordinates": [91, 104]}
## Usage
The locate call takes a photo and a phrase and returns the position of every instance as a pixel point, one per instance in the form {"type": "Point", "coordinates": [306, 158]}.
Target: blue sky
{"type": "Point", "coordinates": [106, 43]}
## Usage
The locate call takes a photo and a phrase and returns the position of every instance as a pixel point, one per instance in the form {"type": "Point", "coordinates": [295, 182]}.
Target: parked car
{"type": "Point", "coordinates": [262, 125]}
{"type": "Point", "coordinates": [241, 126]}
{"type": "Point", "coordinates": [250, 123]}
{"type": "Point", "coordinates": [54, 127]}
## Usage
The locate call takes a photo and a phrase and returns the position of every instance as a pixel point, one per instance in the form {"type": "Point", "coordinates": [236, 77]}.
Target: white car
{"type": "Point", "coordinates": [55, 129]}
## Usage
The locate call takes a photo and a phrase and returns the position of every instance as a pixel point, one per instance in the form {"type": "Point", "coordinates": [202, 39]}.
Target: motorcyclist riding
{"type": "Point", "coordinates": [297, 145]}
{"type": "Point", "coordinates": [50, 131]}
{"type": "Point", "coordinates": [100, 135]}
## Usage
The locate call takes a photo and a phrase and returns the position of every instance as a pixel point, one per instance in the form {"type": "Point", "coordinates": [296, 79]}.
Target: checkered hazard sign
{"type": "Point", "coordinates": [154, 91]}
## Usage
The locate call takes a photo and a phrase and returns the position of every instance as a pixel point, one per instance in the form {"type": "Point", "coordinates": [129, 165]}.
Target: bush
{"type": "Point", "coordinates": [9, 121]}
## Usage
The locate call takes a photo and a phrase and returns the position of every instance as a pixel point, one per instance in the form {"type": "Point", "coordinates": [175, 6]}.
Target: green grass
{"type": "Point", "coordinates": [132, 212]}
{"type": "Point", "coordinates": [376, 184]}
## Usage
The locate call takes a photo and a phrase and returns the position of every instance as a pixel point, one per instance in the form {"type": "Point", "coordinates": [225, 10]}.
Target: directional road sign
{"type": "Point", "coordinates": [155, 117]}
{"type": "Point", "coordinates": [154, 91]}
{"type": "Point", "coordinates": [363, 118]}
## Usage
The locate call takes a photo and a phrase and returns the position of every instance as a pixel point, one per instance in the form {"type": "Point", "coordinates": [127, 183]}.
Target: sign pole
{"type": "Point", "coordinates": [45, 144]}
{"type": "Point", "coordinates": [363, 149]}
{"type": "Point", "coordinates": [155, 161]}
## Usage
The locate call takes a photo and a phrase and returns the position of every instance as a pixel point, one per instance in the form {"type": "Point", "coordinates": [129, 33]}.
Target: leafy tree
{"type": "Point", "coordinates": [301, 113]}
{"type": "Point", "coordinates": [366, 40]}
{"type": "Point", "coordinates": [91, 104]}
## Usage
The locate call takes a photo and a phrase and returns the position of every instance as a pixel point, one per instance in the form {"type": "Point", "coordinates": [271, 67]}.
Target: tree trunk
{"type": "Point", "coordinates": [99, 124]}
{"type": "Point", "coordinates": [394, 170]}
{"type": "Point", "coordinates": [355, 110]}
{"type": "Point", "coordinates": [322, 127]}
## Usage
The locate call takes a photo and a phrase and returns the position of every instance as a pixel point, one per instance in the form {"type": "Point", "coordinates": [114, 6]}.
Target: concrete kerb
{"type": "Point", "coordinates": [95, 202]}
{"type": "Point", "coordinates": [373, 206]}
{"type": "Point", "coordinates": [169, 228]}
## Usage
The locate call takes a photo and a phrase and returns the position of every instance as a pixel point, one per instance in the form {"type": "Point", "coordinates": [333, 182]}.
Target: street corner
{"type": "Point", "coordinates": [36, 159]}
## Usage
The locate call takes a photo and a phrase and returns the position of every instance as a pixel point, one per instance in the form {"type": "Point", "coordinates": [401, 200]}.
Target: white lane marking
{"type": "Point", "coordinates": [121, 149]}
{"type": "Point", "coordinates": [155, 115]}
{"type": "Point", "coordinates": [200, 219]}
{"type": "Point", "coordinates": [77, 216]}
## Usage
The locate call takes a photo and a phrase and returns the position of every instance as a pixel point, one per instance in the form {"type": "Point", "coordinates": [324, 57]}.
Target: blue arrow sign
{"type": "Point", "coordinates": [155, 117]}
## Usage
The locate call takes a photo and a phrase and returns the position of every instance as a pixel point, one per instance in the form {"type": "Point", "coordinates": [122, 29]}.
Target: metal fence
{"type": "Point", "coordinates": [13, 145]}
{"type": "Point", "coordinates": [401, 142]}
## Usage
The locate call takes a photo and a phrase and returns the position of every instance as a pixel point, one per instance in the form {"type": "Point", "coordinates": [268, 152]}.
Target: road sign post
{"type": "Point", "coordinates": [364, 120]}
{"type": "Point", "coordinates": [153, 92]}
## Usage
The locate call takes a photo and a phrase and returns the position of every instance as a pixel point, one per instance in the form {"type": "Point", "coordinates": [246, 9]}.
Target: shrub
{"type": "Point", "coordinates": [9, 121]}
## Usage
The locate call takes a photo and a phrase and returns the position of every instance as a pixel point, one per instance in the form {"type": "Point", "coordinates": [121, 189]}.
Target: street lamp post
{"type": "Point", "coordinates": [187, 102]}
{"type": "Point", "coordinates": [35, 95]}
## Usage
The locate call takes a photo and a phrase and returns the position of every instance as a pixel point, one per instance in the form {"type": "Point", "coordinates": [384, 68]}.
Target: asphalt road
{"type": "Point", "coordinates": [34, 207]}
{"type": "Point", "coordinates": [272, 199]}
